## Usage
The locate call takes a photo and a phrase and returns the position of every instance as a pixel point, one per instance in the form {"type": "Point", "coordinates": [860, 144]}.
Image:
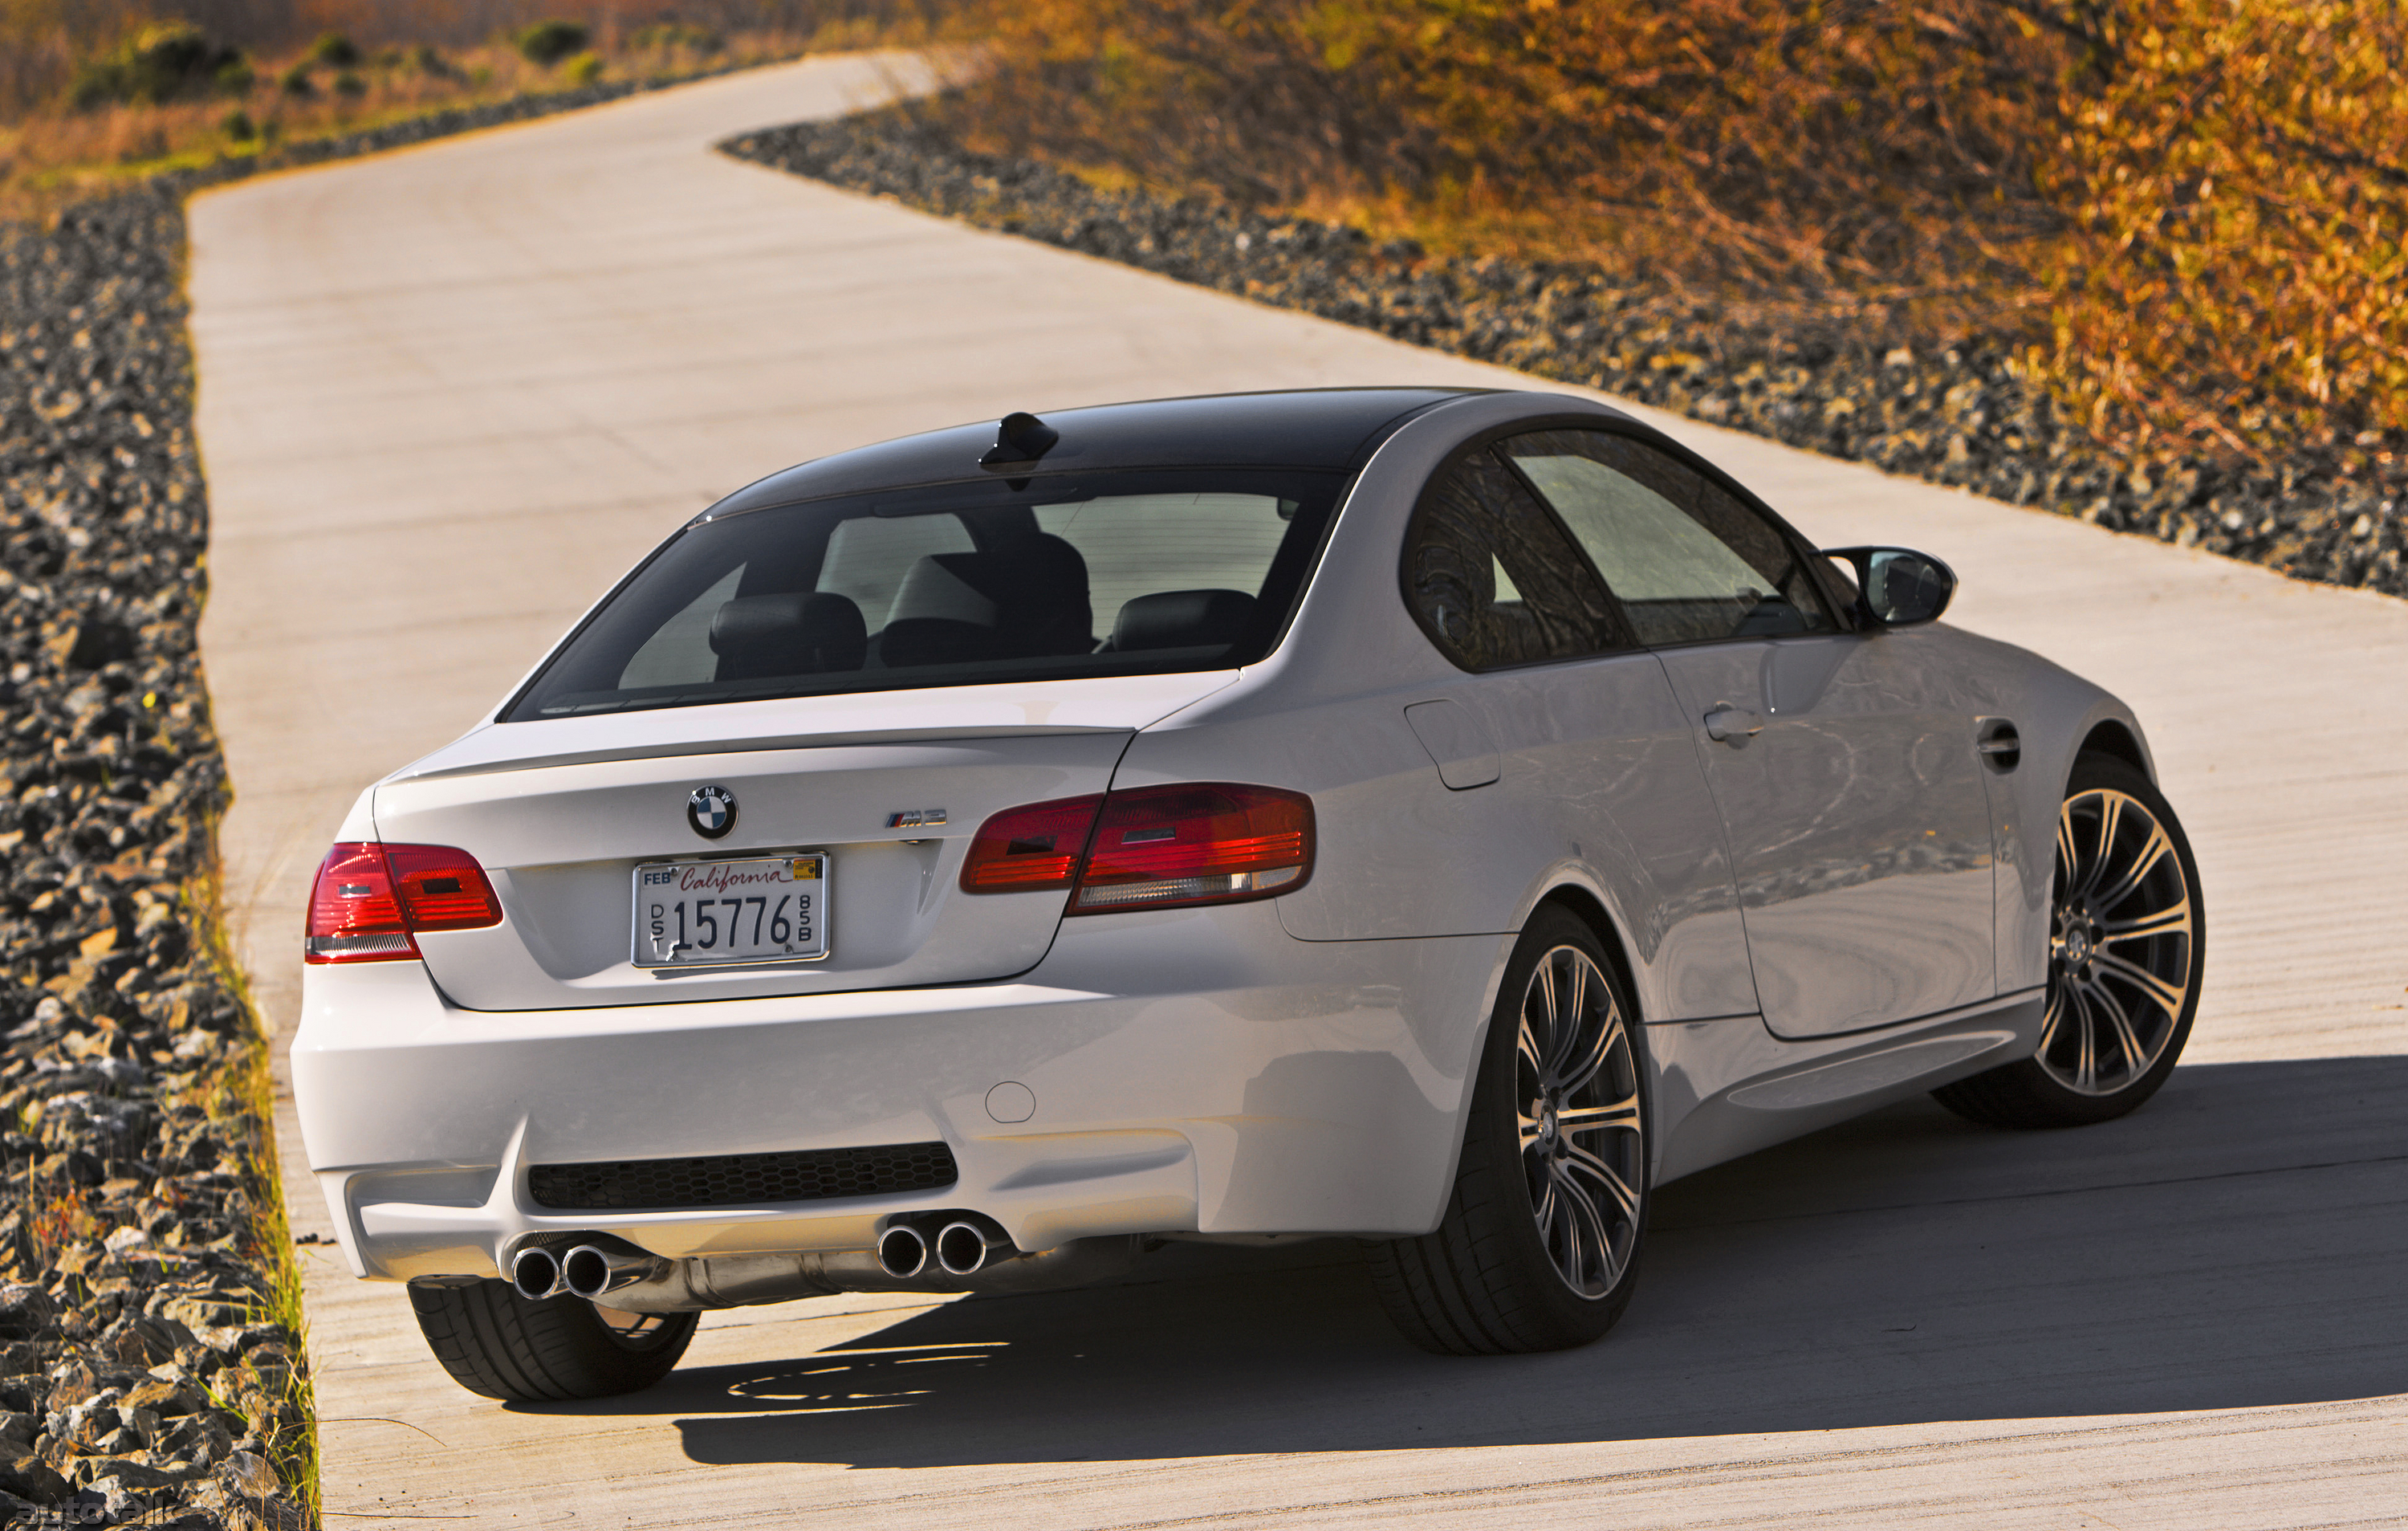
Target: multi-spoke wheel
{"type": "Point", "coordinates": [2125, 947]}
{"type": "Point", "coordinates": [1576, 1087]}
{"type": "Point", "coordinates": [1539, 1246]}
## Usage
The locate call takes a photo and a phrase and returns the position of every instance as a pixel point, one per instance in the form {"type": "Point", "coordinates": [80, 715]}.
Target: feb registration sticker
{"type": "Point", "coordinates": [761, 909]}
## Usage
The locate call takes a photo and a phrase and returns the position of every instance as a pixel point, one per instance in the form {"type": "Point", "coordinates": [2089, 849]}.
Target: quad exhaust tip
{"type": "Point", "coordinates": [592, 1272]}
{"type": "Point", "coordinates": [962, 1248]}
{"type": "Point", "coordinates": [536, 1273]}
{"type": "Point", "coordinates": [902, 1252]}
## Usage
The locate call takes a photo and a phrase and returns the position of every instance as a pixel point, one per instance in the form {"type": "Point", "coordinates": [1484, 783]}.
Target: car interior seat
{"type": "Point", "coordinates": [1023, 597]}
{"type": "Point", "coordinates": [1181, 619]}
{"type": "Point", "coordinates": [757, 637]}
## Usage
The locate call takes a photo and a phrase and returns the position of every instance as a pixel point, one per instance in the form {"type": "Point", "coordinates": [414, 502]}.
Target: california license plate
{"type": "Point", "coordinates": [766, 909]}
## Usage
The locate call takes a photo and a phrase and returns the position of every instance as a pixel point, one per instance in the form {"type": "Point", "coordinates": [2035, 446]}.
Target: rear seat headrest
{"type": "Point", "coordinates": [1182, 619]}
{"type": "Point", "coordinates": [757, 636]}
{"type": "Point", "coordinates": [1026, 596]}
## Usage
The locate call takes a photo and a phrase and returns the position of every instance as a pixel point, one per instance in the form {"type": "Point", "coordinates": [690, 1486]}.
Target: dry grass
{"type": "Point", "coordinates": [2185, 215]}
{"type": "Point", "coordinates": [1833, 156]}
{"type": "Point", "coordinates": [242, 1100]}
{"type": "Point", "coordinates": [2237, 192]}
{"type": "Point", "coordinates": [412, 60]}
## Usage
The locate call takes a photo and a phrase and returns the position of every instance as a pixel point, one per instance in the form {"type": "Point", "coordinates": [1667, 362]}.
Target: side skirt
{"type": "Point", "coordinates": [1729, 1087]}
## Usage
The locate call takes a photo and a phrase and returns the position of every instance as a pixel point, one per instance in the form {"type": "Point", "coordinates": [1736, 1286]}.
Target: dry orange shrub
{"type": "Point", "coordinates": [1853, 147]}
{"type": "Point", "coordinates": [2238, 194]}
{"type": "Point", "coordinates": [2188, 213]}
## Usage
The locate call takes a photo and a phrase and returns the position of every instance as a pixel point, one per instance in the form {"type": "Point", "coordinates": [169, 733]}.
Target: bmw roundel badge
{"type": "Point", "coordinates": [712, 810]}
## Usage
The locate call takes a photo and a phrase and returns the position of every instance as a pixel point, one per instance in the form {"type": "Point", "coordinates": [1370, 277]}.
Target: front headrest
{"type": "Point", "coordinates": [788, 635]}
{"type": "Point", "coordinates": [1030, 594]}
{"type": "Point", "coordinates": [1182, 619]}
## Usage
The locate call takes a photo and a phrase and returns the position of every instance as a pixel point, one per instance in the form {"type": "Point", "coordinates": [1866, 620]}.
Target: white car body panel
{"type": "Point", "coordinates": [1858, 811]}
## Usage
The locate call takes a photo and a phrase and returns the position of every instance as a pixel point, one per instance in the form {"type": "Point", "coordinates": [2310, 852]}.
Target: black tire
{"type": "Point", "coordinates": [1489, 1280]}
{"type": "Point", "coordinates": [2106, 984]}
{"type": "Point", "coordinates": [495, 1342]}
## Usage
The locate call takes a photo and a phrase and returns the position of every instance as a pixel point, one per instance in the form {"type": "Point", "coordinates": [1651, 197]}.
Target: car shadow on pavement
{"type": "Point", "coordinates": [2238, 1242]}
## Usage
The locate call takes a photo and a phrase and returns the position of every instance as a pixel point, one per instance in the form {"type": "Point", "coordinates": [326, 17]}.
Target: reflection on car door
{"type": "Point", "coordinates": [1591, 760]}
{"type": "Point", "coordinates": [1845, 771]}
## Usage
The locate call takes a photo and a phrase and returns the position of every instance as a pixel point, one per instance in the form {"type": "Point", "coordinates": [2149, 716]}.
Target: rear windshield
{"type": "Point", "coordinates": [959, 585]}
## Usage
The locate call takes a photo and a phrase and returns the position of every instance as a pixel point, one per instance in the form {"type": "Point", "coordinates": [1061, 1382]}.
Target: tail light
{"type": "Point", "coordinates": [371, 901]}
{"type": "Point", "coordinates": [1027, 850]}
{"type": "Point", "coordinates": [1150, 847]}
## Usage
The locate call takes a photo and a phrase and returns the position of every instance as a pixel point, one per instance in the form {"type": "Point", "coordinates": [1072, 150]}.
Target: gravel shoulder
{"type": "Point", "coordinates": [1962, 419]}
{"type": "Point", "coordinates": [149, 1359]}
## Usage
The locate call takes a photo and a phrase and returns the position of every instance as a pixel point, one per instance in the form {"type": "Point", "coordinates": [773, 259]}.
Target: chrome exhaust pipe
{"type": "Point", "coordinates": [592, 1272]}
{"type": "Point", "coordinates": [902, 1253]}
{"type": "Point", "coordinates": [535, 1274]}
{"type": "Point", "coordinates": [962, 1248]}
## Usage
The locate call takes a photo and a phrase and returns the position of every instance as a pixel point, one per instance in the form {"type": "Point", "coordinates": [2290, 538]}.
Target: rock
{"type": "Point", "coordinates": [249, 1474]}
{"type": "Point", "coordinates": [133, 1473]}
{"type": "Point", "coordinates": [72, 1385]}
{"type": "Point", "coordinates": [25, 1312]}
{"type": "Point", "coordinates": [167, 1397]}
{"type": "Point", "coordinates": [141, 1341]}
{"type": "Point", "coordinates": [28, 1476]}
{"type": "Point", "coordinates": [210, 1316]}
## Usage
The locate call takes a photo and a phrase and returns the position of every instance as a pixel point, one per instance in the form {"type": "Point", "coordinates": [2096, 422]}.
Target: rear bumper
{"type": "Point", "coordinates": [1191, 1071]}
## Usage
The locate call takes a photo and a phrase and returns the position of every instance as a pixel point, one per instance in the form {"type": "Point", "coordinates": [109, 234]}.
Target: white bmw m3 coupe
{"type": "Point", "coordinates": [1432, 818]}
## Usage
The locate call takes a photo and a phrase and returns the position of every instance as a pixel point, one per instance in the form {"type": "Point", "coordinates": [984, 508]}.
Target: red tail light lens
{"type": "Point", "coordinates": [1150, 847]}
{"type": "Point", "coordinates": [1165, 847]}
{"type": "Point", "coordinates": [442, 888]}
{"type": "Point", "coordinates": [370, 898]}
{"type": "Point", "coordinates": [354, 914]}
{"type": "Point", "coordinates": [1026, 850]}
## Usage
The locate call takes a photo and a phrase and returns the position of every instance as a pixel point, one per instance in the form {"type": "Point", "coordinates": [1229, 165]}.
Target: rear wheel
{"type": "Point", "coordinates": [2126, 942]}
{"type": "Point", "coordinates": [1538, 1248]}
{"type": "Point", "coordinates": [495, 1342]}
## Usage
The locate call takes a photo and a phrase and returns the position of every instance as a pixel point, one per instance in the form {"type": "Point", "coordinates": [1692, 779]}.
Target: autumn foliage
{"type": "Point", "coordinates": [2235, 189]}
{"type": "Point", "coordinates": [2185, 215]}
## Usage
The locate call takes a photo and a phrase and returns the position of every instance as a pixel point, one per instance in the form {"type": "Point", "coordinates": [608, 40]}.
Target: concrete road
{"type": "Point", "coordinates": [448, 395]}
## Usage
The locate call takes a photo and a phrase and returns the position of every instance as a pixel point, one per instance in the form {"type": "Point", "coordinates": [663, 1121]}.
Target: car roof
{"type": "Point", "coordinates": [1313, 428]}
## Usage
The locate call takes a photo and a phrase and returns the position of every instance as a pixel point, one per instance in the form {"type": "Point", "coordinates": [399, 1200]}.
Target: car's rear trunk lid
{"type": "Point", "coordinates": [561, 843]}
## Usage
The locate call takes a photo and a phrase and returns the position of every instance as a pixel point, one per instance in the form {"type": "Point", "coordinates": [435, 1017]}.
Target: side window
{"type": "Point", "coordinates": [1689, 561]}
{"type": "Point", "coordinates": [1492, 578]}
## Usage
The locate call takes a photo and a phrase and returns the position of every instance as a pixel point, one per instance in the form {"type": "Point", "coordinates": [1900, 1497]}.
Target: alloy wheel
{"type": "Point", "coordinates": [1583, 1136]}
{"type": "Point", "coordinates": [2120, 944]}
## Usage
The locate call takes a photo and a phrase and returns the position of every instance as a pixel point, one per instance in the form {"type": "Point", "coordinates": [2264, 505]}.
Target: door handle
{"type": "Point", "coordinates": [1733, 726]}
{"type": "Point", "coordinates": [1999, 745]}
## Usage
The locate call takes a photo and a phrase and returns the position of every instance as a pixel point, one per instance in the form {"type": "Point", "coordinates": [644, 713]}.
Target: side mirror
{"type": "Point", "coordinates": [1897, 588]}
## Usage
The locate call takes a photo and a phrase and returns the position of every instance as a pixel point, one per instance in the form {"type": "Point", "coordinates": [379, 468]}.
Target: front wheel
{"type": "Point", "coordinates": [495, 1342]}
{"type": "Point", "coordinates": [2126, 945]}
{"type": "Point", "coordinates": [1538, 1248]}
